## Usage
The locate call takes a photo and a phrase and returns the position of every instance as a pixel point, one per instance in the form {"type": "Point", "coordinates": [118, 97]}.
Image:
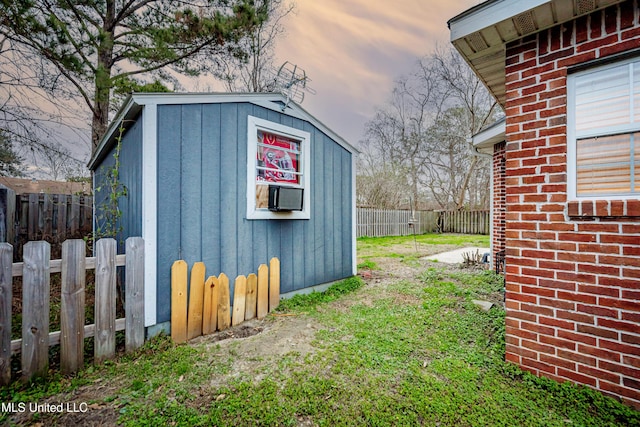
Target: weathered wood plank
{"type": "Point", "coordinates": [35, 309]}
{"type": "Point", "coordinates": [6, 295]}
{"type": "Point", "coordinates": [74, 223]}
{"type": "Point", "coordinates": [47, 214]}
{"type": "Point", "coordinates": [179, 274]}
{"type": "Point", "coordinates": [210, 306]}
{"type": "Point", "coordinates": [252, 294]}
{"type": "Point", "coordinates": [32, 225]}
{"type": "Point", "coordinates": [56, 265]}
{"type": "Point", "coordinates": [263, 291]}
{"type": "Point", "coordinates": [239, 298]}
{"type": "Point", "coordinates": [61, 223]}
{"type": "Point", "coordinates": [274, 283]}
{"type": "Point", "coordinates": [134, 289]}
{"type": "Point", "coordinates": [54, 337]}
{"type": "Point", "coordinates": [72, 305]}
{"type": "Point", "coordinates": [196, 300]}
{"type": "Point", "coordinates": [224, 303]}
{"type": "Point", "coordinates": [105, 308]}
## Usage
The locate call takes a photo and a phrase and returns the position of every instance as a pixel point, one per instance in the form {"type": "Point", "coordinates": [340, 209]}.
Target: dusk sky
{"type": "Point", "coordinates": [353, 50]}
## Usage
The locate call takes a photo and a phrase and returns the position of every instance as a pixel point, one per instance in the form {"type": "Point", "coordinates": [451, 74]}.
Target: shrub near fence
{"type": "Point", "coordinates": [36, 270]}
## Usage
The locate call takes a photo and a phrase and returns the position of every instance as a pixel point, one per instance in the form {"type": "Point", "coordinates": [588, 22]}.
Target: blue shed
{"type": "Point", "coordinates": [231, 180]}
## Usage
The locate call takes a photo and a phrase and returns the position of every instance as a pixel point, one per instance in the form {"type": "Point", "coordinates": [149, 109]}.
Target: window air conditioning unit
{"type": "Point", "coordinates": [283, 199]}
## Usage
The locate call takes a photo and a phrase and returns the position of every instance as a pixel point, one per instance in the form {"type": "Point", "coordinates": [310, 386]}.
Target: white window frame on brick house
{"type": "Point", "coordinates": [256, 125]}
{"type": "Point", "coordinates": [603, 132]}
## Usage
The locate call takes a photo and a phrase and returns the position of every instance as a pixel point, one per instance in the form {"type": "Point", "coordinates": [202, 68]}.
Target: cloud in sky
{"type": "Point", "coordinates": [353, 50]}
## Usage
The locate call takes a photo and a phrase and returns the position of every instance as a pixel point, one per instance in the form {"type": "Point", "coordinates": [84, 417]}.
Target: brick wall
{"type": "Point", "coordinates": [499, 198]}
{"type": "Point", "coordinates": [573, 269]}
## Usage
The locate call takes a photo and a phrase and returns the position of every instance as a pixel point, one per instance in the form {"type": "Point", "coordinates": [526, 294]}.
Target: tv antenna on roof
{"type": "Point", "coordinates": [291, 81]}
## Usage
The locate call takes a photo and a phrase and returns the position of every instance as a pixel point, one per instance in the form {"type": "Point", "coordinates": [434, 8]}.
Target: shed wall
{"type": "Point", "coordinates": [130, 177]}
{"type": "Point", "coordinates": [202, 187]}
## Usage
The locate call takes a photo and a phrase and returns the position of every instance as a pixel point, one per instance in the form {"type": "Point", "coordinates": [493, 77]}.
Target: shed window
{"type": "Point", "coordinates": [276, 155]}
{"type": "Point", "coordinates": [604, 131]}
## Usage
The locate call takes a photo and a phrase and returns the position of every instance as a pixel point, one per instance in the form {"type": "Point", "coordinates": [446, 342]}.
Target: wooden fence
{"type": "Point", "coordinates": [383, 222]}
{"type": "Point", "coordinates": [466, 222]}
{"type": "Point", "coordinates": [379, 222]}
{"type": "Point", "coordinates": [36, 273]}
{"type": "Point", "coordinates": [208, 306]}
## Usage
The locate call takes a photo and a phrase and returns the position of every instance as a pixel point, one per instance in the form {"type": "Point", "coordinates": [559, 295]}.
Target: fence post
{"type": "Point", "coordinates": [6, 293]}
{"type": "Point", "coordinates": [105, 308]}
{"type": "Point", "coordinates": [134, 297]}
{"type": "Point", "coordinates": [274, 283]}
{"type": "Point", "coordinates": [73, 275]}
{"type": "Point", "coordinates": [35, 309]}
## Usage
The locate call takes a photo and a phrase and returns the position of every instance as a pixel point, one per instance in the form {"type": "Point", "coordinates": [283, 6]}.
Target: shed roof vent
{"type": "Point", "coordinates": [585, 6]}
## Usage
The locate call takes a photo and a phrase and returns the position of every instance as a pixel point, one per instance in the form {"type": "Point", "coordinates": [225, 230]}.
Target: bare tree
{"type": "Point", "coordinates": [255, 71]}
{"type": "Point", "coordinates": [423, 130]}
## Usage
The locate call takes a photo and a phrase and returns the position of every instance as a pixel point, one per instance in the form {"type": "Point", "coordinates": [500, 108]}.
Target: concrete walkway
{"type": "Point", "coordinates": [455, 257]}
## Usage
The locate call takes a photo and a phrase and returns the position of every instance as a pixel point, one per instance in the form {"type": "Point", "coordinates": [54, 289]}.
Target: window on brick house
{"type": "Point", "coordinates": [603, 131]}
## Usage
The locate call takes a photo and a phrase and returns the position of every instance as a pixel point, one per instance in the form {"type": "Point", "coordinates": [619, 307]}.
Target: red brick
{"type": "Point", "coordinates": [539, 366]}
{"type": "Point", "coordinates": [618, 326]}
{"type": "Point", "coordinates": [620, 390]}
{"type": "Point", "coordinates": [631, 295]}
{"type": "Point", "coordinates": [556, 284]}
{"type": "Point", "coordinates": [597, 248]}
{"type": "Point", "coordinates": [576, 257]}
{"type": "Point", "coordinates": [595, 25]}
{"type": "Point", "coordinates": [577, 277]}
{"type": "Point", "coordinates": [559, 226]}
{"type": "Point", "coordinates": [620, 347]}
{"type": "Point", "coordinates": [598, 227]}
{"type": "Point", "coordinates": [598, 269]}
{"type": "Point", "coordinates": [616, 281]}
{"type": "Point", "coordinates": [521, 351]}
{"type": "Point", "coordinates": [535, 309]}
{"type": "Point", "coordinates": [631, 229]}
{"type": "Point", "coordinates": [630, 33]}
{"type": "Point", "coordinates": [577, 357]}
{"type": "Point", "coordinates": [558, 246]}
{"type": "Point", "coordinates": [630, 382]}
{"type": "Point", "coordinates": [617, 208]}
{"type": "Point", "coordinates": [599, 353]}
{"type": "Point", "coordinates": [579, 378]}
{"type": "Point", "coordinates": [630, 339]}
{"type": "Point", "coordinates": [600, 332]}
{"type": "Point", "coordinates": [523, 315]}
{"type": "Point", "coordinates": [582, 29]}
{"type": "Point", "coordinates": [539, 235]}
{"type": "Point", "coordinates": [538, 329]}
{"type": "Point", "coordinates": [631, 361]}
{"type": "Point", "coordinates": [597, 43]}
{"type": "Point", "coordinates": [598, 373]}
{"type": "Point", "coordinates": [576, 317]}
{"type": "Point", "coordinates": [620, 369]}
{"type": "Point", "coordinates": [618, 47]}
{"type": "Point", "coordinates": [578, 338]}
{"type": "Point", "coordinates": [556, 361]}
{"type": "Point", "coordinates": [537, 290]}
{"type": "Point", "coordinates": [557, 342]}
{"type": "Point", "coordinates": [536, 272]}
{"type": "Point", "coordinates": [527, 253]}
{"type": "Point", "coordinates": [523, 298]}
{"type": "Point", "coordinates": [597, 311]}
{"type": "Point", "coordinates": [619, 260]}
{"type": "Point", "coordinates": [620, 303]}
{"type": "Point", "coordinates": [556, 55]}
{"type": "Point", "coordinates": [577, 297]}
{"type": "Point", "coordinates": [598, 290]}
{"type": "Point", "coordinates": [513, 358]}
{"type": "Point", "coordinates": [577, 59]}
{"type": "Point", "coordinates": [633, 207]}
{"type": "Point", "coordinates": [520, 333]}
{"type": "Point", "coordinates": [620, 239]}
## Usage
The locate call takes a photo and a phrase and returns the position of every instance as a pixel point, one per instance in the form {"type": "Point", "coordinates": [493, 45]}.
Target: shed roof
{"type": "Point", "coordinates": [481, 33]}
{"type": "Point", "coordinates": [273, 101]}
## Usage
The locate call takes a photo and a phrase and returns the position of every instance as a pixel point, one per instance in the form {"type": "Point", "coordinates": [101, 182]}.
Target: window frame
{"type": "Point", "coordinates": [254, 125]}
{"type": "Point", "coordinates": [573, 135]}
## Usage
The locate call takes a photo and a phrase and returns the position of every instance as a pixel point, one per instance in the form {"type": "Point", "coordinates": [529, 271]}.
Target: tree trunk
{"type": "Point", "coordinates": [465, 183]}
{"type": "Point", "coordinates": [100, 119]}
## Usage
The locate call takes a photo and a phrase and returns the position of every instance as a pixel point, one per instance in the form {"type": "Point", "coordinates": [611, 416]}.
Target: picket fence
{"type": "Point", "coordinates": [36, 270]}
{"type": "Point", "coordinates": [207, 307]}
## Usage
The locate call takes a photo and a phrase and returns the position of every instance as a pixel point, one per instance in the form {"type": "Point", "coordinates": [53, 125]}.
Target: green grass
{"type": "Point", "coordinates": [414, 352]}
{"type": "Point", "coordinates": [425, 239]}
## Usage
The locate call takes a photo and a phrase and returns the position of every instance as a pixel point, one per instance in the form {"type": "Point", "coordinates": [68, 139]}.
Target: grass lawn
{"type": "Point", "coordinates": [406, 348]}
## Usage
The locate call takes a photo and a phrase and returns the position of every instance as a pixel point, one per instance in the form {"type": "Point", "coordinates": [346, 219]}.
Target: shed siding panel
{"type": "Point", "coordinates": [191, 183]}
{"type": "Point", "coordinates": [211, 170]}
{"type": "Point", "coordinates": [229, 164]}
{"type": "Point", "coordinates": [169, 203]}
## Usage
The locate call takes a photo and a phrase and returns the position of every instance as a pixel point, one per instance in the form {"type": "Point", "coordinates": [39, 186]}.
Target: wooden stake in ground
{"type": "Point", "coordinates": [179, 301]}
{"type": "Point", "coordinates": [263, 291]}
{"type": "Point", "coordinates": [210, 306]}
{"type": "Point", "coordinates": [196, 299]}
{"type": "Point", "coordinates": [274, 283]}
{"type": "Point", "coordinates": [224, 309]}
{"type": "Point", "coordinates": [239, 299]}
{"type": "Point", "coordinates": [252, 293]}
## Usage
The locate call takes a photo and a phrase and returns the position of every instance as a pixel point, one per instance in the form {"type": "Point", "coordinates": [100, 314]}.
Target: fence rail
{"type": "Point", "coordinates": [36, 270]}
{"type": "Point", "coordinates": [382, 222]}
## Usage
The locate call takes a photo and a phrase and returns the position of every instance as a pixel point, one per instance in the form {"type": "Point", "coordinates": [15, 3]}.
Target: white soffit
{"type": "Point", "coordinates": [481, 33]}
{"type": "Point", "coordinates": [490, 136]}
